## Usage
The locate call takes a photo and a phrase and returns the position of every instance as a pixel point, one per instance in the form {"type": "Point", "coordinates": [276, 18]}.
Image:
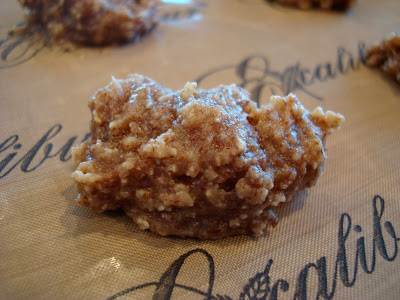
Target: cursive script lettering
{"type": "Point", "coordinates": [342, 263]}
{"type": "Point", "coordinates": [35, 156]}
{"type": "Point", "coordinates": [255, 74]}
{"type": "Point", "coordinates": [16, 49]}
{"type": "Point", "coordinates": [261, 286]}
{"type": "Point", "coordinates": [166, 285]}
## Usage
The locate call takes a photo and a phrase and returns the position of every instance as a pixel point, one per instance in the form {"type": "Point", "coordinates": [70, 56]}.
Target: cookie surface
{"type": "Point", "coordinates": [198, 163]}
{"type": "Point", "coordinates": [90, 22]}
{"type": "Point", "coordinates": [386, 56]}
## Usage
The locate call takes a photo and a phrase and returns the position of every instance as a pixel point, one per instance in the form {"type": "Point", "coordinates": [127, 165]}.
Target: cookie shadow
{"type": "Point", "coordinates": [80, 220]}
{"type": "Point", "coordinates": [286, 209]}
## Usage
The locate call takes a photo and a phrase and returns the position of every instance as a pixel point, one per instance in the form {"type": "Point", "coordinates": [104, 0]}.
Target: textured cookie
{"type": "Point", "coordinates": [386, 56]}
{"type": "Point", "coordinates": [90, 22]}
{"type": "Point", "coordinates": [199, 163]}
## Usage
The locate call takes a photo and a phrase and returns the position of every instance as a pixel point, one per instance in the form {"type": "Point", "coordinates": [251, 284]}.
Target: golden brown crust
{"type": "Point", "coordinates": [198, 163]}
{"type": "Point", "coordinates": [323, 4]}
{"type": "Point", "coordinates": [386, 56]}
{"type": "Point", "coordinates": [90, 22]}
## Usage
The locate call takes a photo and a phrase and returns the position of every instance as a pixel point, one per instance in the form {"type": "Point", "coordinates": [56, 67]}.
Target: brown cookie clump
{"type": "Point", "coordinates": [90, 22]}
{"type": "Point", "coordinates": [323, 4]}
{"type": "Point", "coordinates": [386, 56]}
{"type": "Point", "coordinates": [198, 163]}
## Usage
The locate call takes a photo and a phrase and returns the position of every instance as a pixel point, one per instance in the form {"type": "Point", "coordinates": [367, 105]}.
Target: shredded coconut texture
{"type": "Point", "coordinates": [386, 56]}
{"type": "Point", "coordinates": [198, 163]}
{"type": "Point", "coordinates": [89, 22]}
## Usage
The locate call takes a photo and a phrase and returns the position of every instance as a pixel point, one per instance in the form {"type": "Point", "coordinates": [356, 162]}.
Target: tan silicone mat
{"type": "Point", "coordinates": [339, 239]}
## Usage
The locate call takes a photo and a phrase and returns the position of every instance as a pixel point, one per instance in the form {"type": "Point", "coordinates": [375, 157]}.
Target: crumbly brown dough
{"type": "Point", "coordinates": [90, 22]}
{"type": "Point", "coordinates": [198, 163]}
{"type": "Point", "coordinates": [324, 4]}
{"type": "Point", "coordinates": [386, 55]}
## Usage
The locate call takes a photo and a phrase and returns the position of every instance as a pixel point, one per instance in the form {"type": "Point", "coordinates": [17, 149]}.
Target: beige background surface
{"type": "Point", "coordinates": [52, 249]}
